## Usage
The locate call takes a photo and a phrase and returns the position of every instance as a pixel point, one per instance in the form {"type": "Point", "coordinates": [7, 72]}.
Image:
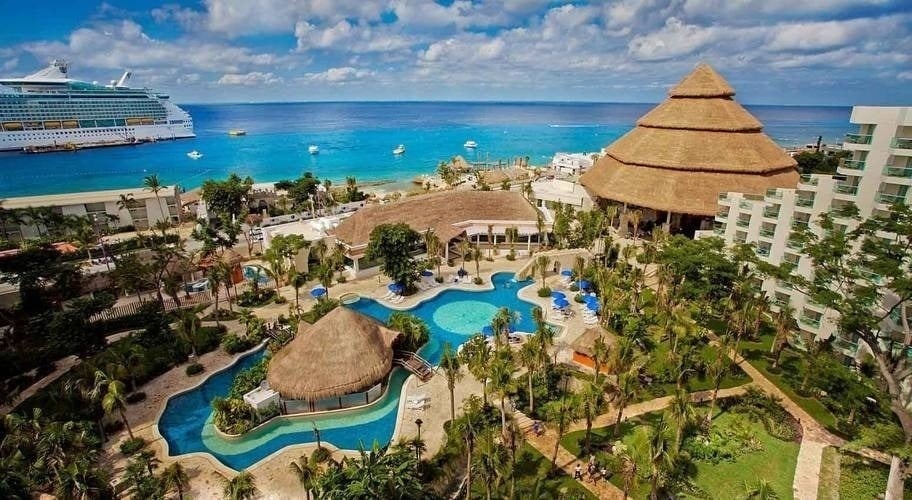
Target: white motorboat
{"type": "Point", "coordinates": [313, 149]}
{"type": "Point", "coordinates": [470, 145]}
{"type": "Point", "coordinates": [399, 149]}
{"type": "Point", "coordinates": [194, 155]}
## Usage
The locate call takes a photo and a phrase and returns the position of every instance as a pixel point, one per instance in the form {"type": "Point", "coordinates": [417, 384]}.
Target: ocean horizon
{"type": "Point", "coordinates": [356, 138]}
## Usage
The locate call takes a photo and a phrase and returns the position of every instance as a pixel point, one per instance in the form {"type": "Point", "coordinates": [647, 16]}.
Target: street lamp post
{"type": "Point", "coordinates": [418, 422]}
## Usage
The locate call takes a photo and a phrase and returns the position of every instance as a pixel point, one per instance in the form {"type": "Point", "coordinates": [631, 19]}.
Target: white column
{"type": "Point", "coordinates": [529, 243]}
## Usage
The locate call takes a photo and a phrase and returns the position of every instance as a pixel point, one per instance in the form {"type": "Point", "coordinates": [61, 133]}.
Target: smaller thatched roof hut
{"type": "Point", "coordinates": [342, 353]}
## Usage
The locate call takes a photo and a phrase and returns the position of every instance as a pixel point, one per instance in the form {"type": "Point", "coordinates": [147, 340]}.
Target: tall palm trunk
{"type": "Point", "coordinates": [468, 469]}
{"type": "Point", "coordinates": [452, 403]}
{"type": "Point", "coordinates": [123, 418]}
{"type": "Point", "coordinates": [617, 422]}
{"type": "Point", "coordinates": [218, 322]}
{"type": "Point", "coordinates": [531, 393]}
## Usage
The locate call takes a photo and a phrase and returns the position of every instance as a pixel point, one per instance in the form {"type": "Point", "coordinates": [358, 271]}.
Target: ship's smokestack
{"type": "Point", "coordinates": [124, 79]}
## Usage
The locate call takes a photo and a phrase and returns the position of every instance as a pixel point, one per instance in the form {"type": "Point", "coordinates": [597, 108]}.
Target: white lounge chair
{"type": "Point", "coordinates": [417, 405]}
{"type": "Point", "coordinates": [397, 299]}
{"type": "Point", "coordinates": [417, 398]}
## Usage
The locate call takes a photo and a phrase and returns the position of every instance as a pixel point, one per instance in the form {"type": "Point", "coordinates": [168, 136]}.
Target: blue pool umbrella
{"type": "Point", "coordinates": [590, 299]}
{"type": "Point", "coordinates": [566, 272]}
{"type": "Point", "coordinates": [558, 295]}
{"type": "Point", "coordinates": [318, 292]}
{"type": "Point", "coordinates": [562, 303]}
{"type": "Point", "coordinates": [487, 330]}
{"type": "Point", "coordinates": [395, 287]}
{"type": "Point", "coordinates": [584, 285]}
{"type": "Point", "coordinates": [593, 306]}
{"type": "Point", "coordinates": [427, 273]}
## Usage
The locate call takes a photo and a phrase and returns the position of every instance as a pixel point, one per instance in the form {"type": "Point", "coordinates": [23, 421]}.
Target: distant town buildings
{"type": "Point", "coordinates": [561, 191]}
{"type": "Point", "coordinates": [573, 163]}
{"type": "Point", "coordinates": [877, 175]}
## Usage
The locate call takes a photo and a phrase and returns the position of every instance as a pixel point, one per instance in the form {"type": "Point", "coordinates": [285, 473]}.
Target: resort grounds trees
{"type": "Point", "coordinates": [307, 471]}
{"type": "Point", "coordinates": [378, 473]}
{"type": "Point", "coordinates": [227, 197]}
{"type": "Point", "coordinates": [175, 478]}
{"type": "Point", "coordinates": [865, 275]}
{"type": "Point", "coordinates": [152, 183]}
{"type": "Point", "coordinates": [415, 332]}
{"type": "Point", "coordinates": [393, 245]}
{"type": "Point", "coordinates": [452, 370]}
{"type": "Point", "coordinates": [240, 487]}
{"type": "Point", "coordinates": [476, 354]}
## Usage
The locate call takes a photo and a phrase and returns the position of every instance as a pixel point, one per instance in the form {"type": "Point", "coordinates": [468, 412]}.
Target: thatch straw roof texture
{"type": "Point", "coordinates": [438, 211]}
{"type": "Point", "coordinates": [688, 149]}
{"type": "Point", "coordinates": [342, 353]}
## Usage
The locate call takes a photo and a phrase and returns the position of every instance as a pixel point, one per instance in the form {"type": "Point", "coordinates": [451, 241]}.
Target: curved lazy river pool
{"type": "Point", "coordinates": [453, 316]}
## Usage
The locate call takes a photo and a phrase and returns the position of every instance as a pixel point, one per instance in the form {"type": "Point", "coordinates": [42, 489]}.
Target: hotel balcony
{"type": "Point", "coordinates": [791, 258]}
{"type": "Point", "coordinates": [793, 243]}
{"type": "Point", "coordinates": [890, 199]}
{"type": "Point", "coordinates": [853, 164]}
{"type": "Point", "coordinates": [745, 204]}
{"type": "Point", "coordinates": [771, 212]}
{"type": "Point", "coordinates": [904, 172]}
{"type": "Point", "coordinates": [762, 251]}
{"type": "Point", "coordinates": [858, 139]}
{"type": "Point", "coordinates": [743, 222]}
{"type": "Point", "coordinates": [804, 202]}
{"type": "Point", "coordinates": [774, 193]}
{"type": "Point", "coordinates": [845, 189]}
{"type": "Point", "coordinates": [846, 347]}
{"type": "Point", "coordinates": [740, 237]}
{"type": "Point", "coordinates": [719, 230]}
{"type": "Point", "coordinates": [799, 223]}
{"type": "Point", "coordinates": [767, 232]}
{"type": "Point", "coordinates": [807, 180]}
{"type": "Point", "coordinates": [809, 321]}
{"type": "Point", "coordinates": [871, 276]}
{"type": "Point", "coordinates": [901, 143]}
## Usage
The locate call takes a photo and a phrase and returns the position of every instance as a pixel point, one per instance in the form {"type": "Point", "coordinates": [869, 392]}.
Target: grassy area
{"type": "Point", "coordinates": [861, 479]}
{"type": "Point", "coordinates": [757, 353]}
{"type": "Point", "coordinates": [532, 474]}
{"type": "Point", "coordinates": [775, 462]}
{"type": "Point", "coordinates": [829, 475]}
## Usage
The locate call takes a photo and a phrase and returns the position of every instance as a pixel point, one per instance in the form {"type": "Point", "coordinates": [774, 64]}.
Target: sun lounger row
{"type": "Point", "coordinates": [392, 298]}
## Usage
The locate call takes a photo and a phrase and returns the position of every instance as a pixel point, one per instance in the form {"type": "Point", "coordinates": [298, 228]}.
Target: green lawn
{"type": "Point", "coordinates": [775, 463]}
{"type": "Point", "coordinates": [863, 480]}
{"type": "Point", "coordinates": [757, 352]}
{"type": "Point", "coordinates": [829, 475]}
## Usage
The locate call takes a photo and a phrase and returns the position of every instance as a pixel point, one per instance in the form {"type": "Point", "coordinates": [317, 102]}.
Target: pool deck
{"type": "Point", "coordinates": [271, 473]}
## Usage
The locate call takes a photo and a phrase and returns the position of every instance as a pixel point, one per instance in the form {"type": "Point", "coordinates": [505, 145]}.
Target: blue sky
{"type": "Point", "coordinates": [838, 52]}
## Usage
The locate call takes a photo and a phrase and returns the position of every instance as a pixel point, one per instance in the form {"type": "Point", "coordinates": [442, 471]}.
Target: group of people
{"type": "Point", "coordinates": [593, 469]}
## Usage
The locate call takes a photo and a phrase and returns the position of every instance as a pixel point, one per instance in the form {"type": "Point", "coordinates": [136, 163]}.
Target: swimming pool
{"type": "Point", "coordinates": [452, 316]}
{"type": "Point", "coordinates": [256, 273]}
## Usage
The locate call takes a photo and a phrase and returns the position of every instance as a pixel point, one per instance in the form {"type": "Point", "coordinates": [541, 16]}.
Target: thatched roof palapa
{"type": "Point", "coordinates": [437, 211]}
{"type": "Point", "coordinates": [342, 353]}
{"type": "Point", "coordinates": [684, 152]}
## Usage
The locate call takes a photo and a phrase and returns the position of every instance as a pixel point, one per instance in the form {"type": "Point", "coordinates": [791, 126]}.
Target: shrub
{"type": "Point", "coordinates": [234, 344]}
{"type": "Point", "coordinates": [477, 280]}
{"type": "Point", "coordinates": [511, 255]}
{"type": "Point", "coordinates": [131, 446]}
{"type": "Point", "coordinates": [574, 287]}
{"type": "Point", "coordinates": [321, 455]}
{"type": "Point", "coordinates": [255, 299]}
{"type": "Point", "coordinates": [207, 338]}
{"type": "Point", "coordinates": [438, 279]}
{"type": "Point", "coordinates": [544, 292]}
{"type": "Point", "coordinates": [320, 309]}
{"type": "Point", "coordinates": [280, 300]}
{"type": "Point", "coordinates": [248, 380]}
{"type": "Point", "coordinates": [342, 279]}
{"type": "Point", "coordinates": [194, 369]}
{"type": "Point", "coordinates": [578, 298]}
{"type": "Point", "coordinates": [135, 397]}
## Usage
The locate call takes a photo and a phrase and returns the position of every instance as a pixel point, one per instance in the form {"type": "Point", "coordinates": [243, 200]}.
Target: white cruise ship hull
{"type": "Point", "coordinates": [92, 137]}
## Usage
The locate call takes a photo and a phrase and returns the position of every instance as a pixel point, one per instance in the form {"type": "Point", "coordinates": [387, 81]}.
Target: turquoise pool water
{"type": "Point", "coordinates": [453, 316]}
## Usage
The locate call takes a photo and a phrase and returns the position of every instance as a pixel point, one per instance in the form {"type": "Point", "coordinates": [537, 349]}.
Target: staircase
{"type": "Point", "coordinates": [415, 364]}
{"type": "Point", "coordinates": [522, 421]}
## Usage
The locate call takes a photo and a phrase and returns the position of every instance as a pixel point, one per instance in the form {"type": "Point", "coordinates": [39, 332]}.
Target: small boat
{"type": "Point", "coordinates": [194, 155]}
{"type": "Point", "coordinates": [470, 145]}
{"type": "Point", "coordinates": [313, 149]}
{"type": "Point", "coordinates": [399, 149]}
{"type": "Point", "coordinates": [237, 132]}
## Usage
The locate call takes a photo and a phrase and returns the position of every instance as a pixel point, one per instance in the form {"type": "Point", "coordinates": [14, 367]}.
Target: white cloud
{"type": "Point", "coordinates": [347, 37]}
{"type": "Point", "coordinates": [253, 78]}
{"type": "Point", "coordinates": [818, 36]}
{"type": "Point", "coordinates": [727, 9]}
{"type": "Point", "coordinates": [345, 74]}
{"type": "Point", "coordinates": [675, 39]}
{"type": "Point", "coordinates": [240, 17]}
{"type": "Point", "coordinates": [10, 64]}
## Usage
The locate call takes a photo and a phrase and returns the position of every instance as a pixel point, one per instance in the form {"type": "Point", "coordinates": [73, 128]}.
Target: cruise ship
{"type": "Point", "coordinates": [49, 111]}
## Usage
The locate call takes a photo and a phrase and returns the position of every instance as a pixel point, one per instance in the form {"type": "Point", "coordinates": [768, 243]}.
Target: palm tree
{"type": "Point", "coordinates": [240, 487]}
{"type": "Point", "coordinates": [298, 281]}
{"type": "Point", "coordinates": [127, 357]}
{"type": "Point", "coordinates": [465, 251]}
{"type": "Point", "coordinates": [325, 275]}
{"type": "Point", "coordinates": [432, 246]}
{"type": "Point", "coordinates": [307, 471]}
{"type": "Point", "coordinates": [600, 351]}
{"type": "Point", "coordinates": [113, 397]}
{"type": "Point", "coordinates": [491, 241]}
{"type": "Point", "coordinates": [592, 399]}
{"type": "Point", "coordinates": [216, 278]}
{"type": "Point", "coordinates": [175, 478]}
{"type": "Point", "coordinates": [490, 462]}
{"type": "Point", "coordinates": [512, 234]}
{"type": "Point", "coordinates": [126, 202]}
{"type": "Point", "coordinates": [275, 265]}
{"type": "Point", "coordinates": [468, 426]}
{"type": "Point", "coordinates": [476, 256]}
{"type": "Point", "coordinates": [785, 324]}
{"type": "Point", "coordinates": [635, 217]}
{"type": "Point", "coordinates": [187, 326]}
{"type": "Point", "coordinates": [759, 490]}
{"type": "Point", "coordinates": [476, 354]}
{"type": "Point", "coordinates": [542, 263]}
{"type": "Point", "coordinates": [562, 414]}
{"type": "Point", "coordinates": [623, 391]}
{"type": "Point", "coordinates": [681, 413]}
{"type": "Point", "coordinates": [657, 452]}
{"type": "Point", "coordinates": [153, 184]}
{"type": "Point", "coordinates": [501, 374]}
{"type": "Point", "coordinates": [452, 370]}
{"type": "Point", "coordinates": [530, 357]}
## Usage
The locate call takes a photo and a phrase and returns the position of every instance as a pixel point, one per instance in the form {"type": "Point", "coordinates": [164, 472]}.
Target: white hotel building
{"type": "Point", "coordinates": [878, 174]}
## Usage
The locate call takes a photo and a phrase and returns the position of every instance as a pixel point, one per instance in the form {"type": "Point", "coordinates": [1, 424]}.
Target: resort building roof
{"type": "Point", "coordinates": [684, 152]}
{"type": "Point", "coordinates": [342, 353]}
{"type": "Point", "coordinates": [446, 213]}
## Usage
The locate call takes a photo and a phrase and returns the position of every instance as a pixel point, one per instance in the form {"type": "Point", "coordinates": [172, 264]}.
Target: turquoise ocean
{"type": "Point", "coordinates": [357, 139]}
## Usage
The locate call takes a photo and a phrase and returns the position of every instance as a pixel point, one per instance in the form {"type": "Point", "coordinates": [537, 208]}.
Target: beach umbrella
{"type": "Point", "coordinates": [558, 295]}
{"type": "Point", "coordinates": [566, 272]}
{"type": "Point", "coordinates": [593, 306]}
{"type": "Point", "coordinates": [561, 303]}
{"type": "Point", "coordinates": [427, 272]}
{"type": "Point", "coordinates": [395, 287]}
{"type": "Point", "coordinates": [487, 330]}
{"type": "Point", "coordinates": [318, 292]}
{"type": "Point", "coordinates": [462, 272]}
{"type": "Point", "coordinates": [589, 299]}
{"type": "Point", "coordinates": [584, 285]}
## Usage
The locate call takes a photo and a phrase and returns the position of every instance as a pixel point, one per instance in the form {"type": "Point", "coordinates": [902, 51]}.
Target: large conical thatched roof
{"type": "Point", "coordinates": [684, 152]}
{"type": "Point", "coordinates": [342, 353]}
